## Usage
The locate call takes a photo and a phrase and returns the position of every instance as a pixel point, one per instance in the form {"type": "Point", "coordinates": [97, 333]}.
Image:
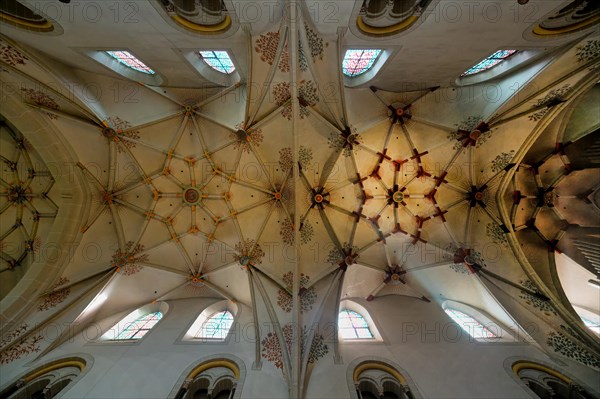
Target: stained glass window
{"type": "Point", "coordinates": [352, 325]}
{"type": "Point", "coordinates": [357, 62]}
{"type": "Point", "coordinates": [140, 327]}
{"type": "Point", "coordinates": [218, 60]}
{"type": "Point", "coordinates": [489, 62]}
{"type": "Point", "coordinates": [130, 61]}
{"type": "Point", "coordinates": [592, 325]}
{"type": "Point", "coordinates": [473, 327]}
{"type": "Point", "coordinates": [217, 326]}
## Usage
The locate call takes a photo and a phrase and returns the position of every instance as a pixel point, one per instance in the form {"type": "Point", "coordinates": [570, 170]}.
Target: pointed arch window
{"type": "Point", "coordinates": [140, 326]}
{"type": "Point", "coordinates": [470, 325]}
{"type": "Point", "coordinates": [130, 61]}
{"type": "Point", "coordinates": [216, 326]}
{"type": "Point", "coordinates": [218, 60]}
{"type": "Point", "coordinates": [489, 62]}
{"type": "Point", "coordinates": [134, 326]}
{"type": "Point", "coordinates": [358, 61]}
{"type": "Point", "coordinates": [352, 325]}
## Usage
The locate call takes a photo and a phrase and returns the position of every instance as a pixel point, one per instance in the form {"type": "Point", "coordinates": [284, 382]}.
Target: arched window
{"type": "Point", "coordinates": [489, 62]}
{"type": "Point", "coordinates": [470, 325]}
{"type": "Point", "coordinates": [218, 60]}
{"type": "Point", "coordinates": [46, 381]}
{"type": "Point", "coordinates": [136, 324]}
{"type": "Point", "coordinates": [213, 324]}
{"type": "Point", "coordinates": [221, 377]}
{"type": "Point", "coordinates": [130, 61]}
{"type": "Point", "coordinates": [378, 379]}
{"type": "Point", "coordinates": [358, 61]}
{"type": "Point", "coordinates": [140, 327]}
{"type": "Point", "coordinates": [548, 383]}
{"type": "Point", "coordinates": [216, 326]}
{"type": "Point", "coordinates": [352, 325]}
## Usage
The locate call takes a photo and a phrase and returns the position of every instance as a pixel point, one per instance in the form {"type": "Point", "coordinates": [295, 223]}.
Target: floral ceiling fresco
{"type": "Point", "coordinates": [279, 195]}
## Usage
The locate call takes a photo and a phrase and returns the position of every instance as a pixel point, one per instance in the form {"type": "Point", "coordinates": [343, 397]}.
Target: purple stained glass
{"type": "Point", "coordinates": [130, 61]}
{"type": "Point", "coordinates": [357, 62]}
{"type": "Point", "coordinates": [489, 62]}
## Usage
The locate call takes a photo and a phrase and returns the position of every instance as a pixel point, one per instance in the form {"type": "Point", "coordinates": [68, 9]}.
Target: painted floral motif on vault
{"type": "Point", "coordinates": [552, 98]}
{"type": "Point", "coordinates": [11, 55]}
{"type": "Point", "coordinates": [589, 52]}
{"type": "Point", "coordinates": [307, 95]}
{"type": "Point", "coordinates": [308, 296]}
{"type": "Point", "coordinates": [286, 160]}
{"type": "Point", "coordinates": [271, 348]}
{"type": "Point", "coordinates": [126, 261]}
{"type": "Point", "coordinates": [306, 232]}
{"type": "Point", "coordinates": [502, 160]}
{"type": "Point", "coordinates": [245, 139]}
{"type": "Point", "coordinates": [338, 142]}
{"type": "Point", "coordinates": [249, 252]}
{"type": "Point", "coordinates": [266, 45]}
{"type": "Point", "coordinates": [567, 347]}
{"type": "Point", "coordinates": [40, 98]}
{"type": "Point", "coordinates": [56, 296]}
{"type": "Point", "coordinates": [23, 344]}
{"type": "Point", "coordinates": [496, 233]}
{"type": "Point", "coordinates": [286, 231]}
{"type": "Point", "coordinates": [532, 300]}
{"type": "Point", "coordinates": [475, 257]}
{"type": "Point", "coordinates": [335, 256]}
{"type": "Point", "coordinates": [305, 156]}
{"type": "Point", "coordinates": [464, 127]}
{"type": "Point", "coordinates": [122, 127]}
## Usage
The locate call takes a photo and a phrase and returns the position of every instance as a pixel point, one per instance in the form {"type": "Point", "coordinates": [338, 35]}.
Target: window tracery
{"type": "Point", "coordinates": [136, 324]}
{"type": "Point", "coordinates": [358, 61]}
{"type": "Point", "coordinates": [489, 62]}
{"type": "Point", "coordinates": [217, 326]}
{"type": "Point", "coordinates": [219, 60]}
{"type": "Point", "coordinates": [130, 61]}
{"type": "Point", "coordinates": [352, 325]}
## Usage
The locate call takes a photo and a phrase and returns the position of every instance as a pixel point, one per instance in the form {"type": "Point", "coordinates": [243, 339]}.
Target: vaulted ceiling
{"type": "Point", "coordinates": [286, 191]}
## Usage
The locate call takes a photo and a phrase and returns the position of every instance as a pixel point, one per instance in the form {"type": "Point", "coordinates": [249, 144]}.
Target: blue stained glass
{"type": "Point", "coordinates": [140, 327]}
{"type": "Point", "coordinates": [470, 325]}
{"type": "Point", "coordinates": [489, 62]}
{"type": "Point", "coordinates": [357, 62]}
{"type": "Point", "coordinates": [218, 60]}
{"type": "Point", "coordinates": [352, 325]}
{"type": "Point", "coordinates": [217, 326]}
{"type": "Point", "coordinates": [592, 325]}
{"type": "Point", "coordinates": [130, 61]}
